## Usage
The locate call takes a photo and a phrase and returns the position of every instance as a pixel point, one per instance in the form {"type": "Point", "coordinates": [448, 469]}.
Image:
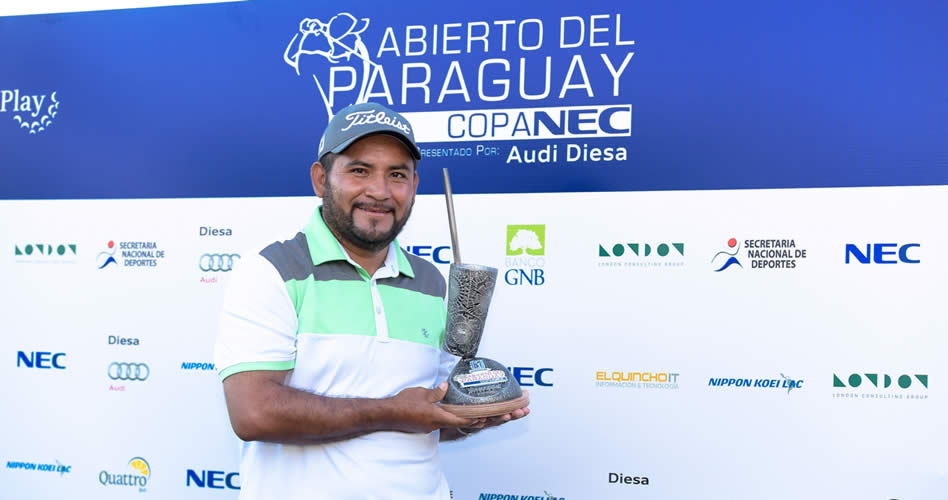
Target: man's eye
{"type": "Point", "coordinates": [399, 175]}
{"type": "Point", "coordinates": [359, 170]}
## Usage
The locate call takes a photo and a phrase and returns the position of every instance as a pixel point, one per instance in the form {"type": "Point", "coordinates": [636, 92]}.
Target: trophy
{"type": "Point", "coordinates": [477, 387]}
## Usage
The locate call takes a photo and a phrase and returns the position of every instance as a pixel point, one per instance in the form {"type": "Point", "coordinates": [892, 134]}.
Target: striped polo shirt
{"type": "Point", "coordinates": [304, 305]}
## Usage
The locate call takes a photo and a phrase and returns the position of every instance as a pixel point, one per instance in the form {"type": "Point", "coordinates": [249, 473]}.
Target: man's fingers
{"type": "Point", "coordinates": [437, 394]}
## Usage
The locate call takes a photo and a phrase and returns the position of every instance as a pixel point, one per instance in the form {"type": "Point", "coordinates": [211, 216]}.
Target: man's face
{"type": "Point", "coordinates": [369, 191]}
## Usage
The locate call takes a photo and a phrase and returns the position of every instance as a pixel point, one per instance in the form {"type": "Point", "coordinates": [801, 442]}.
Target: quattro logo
{"type": "Point", "coordinates": [129, 371]}
{"type": "Point", "coordinates": [642, 250]}
{"type": "Point", "coordinates": [855, 380]}
{"type": "Point", "coordinates": [217, 262]}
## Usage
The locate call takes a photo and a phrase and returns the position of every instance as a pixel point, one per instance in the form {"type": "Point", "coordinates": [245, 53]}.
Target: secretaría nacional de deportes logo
{"type": "Point", "coordinates": [136, 475]}
{"type": "Point", "coordinates": [33, 113]}
{"type": "Point", "coordinates": [106, 257]}
{"type": "Point", "coordinates": [218, 262]}
{"type": "Point", "coordinates": [130, 254]}
{"type": "Point", "coordinates": [761, 253]}
{"type": "Point", "coordinates": [727, 257]}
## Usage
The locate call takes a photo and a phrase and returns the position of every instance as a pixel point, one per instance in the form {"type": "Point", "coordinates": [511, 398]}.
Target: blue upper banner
{"type": "Point", "coordinates": [231, 99]}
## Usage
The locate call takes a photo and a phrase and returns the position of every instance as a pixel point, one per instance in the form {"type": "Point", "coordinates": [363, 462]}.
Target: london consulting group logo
{"type": "Point", "coordinates": [526, 250]}
{"type": "Point", "coordinates": [641, 255]}
{"type": "Point", "coordinates": [45, 253]}
{"type": "Point", "coordinates": [880, 386]}
{"type": "Point", "coordinates": [33, 113]}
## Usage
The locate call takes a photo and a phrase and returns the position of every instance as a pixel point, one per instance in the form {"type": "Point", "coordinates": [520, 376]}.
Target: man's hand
{"type": "Point", "coordinates": [450, 434]}
{"type": "Point", "coordinates": [500, 419]}
{"type": "Point", "coordinates": [414, 410]}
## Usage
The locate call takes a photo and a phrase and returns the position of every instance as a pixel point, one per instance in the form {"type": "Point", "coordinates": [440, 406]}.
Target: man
{"type": "Point", "coordinates": [329, 346]}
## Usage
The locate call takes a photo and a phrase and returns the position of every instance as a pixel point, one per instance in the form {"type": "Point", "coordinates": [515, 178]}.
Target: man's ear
{"type": "Point", "coordinates": [416, 180]}
{"type": "Point", "coordinates": [317, 174]}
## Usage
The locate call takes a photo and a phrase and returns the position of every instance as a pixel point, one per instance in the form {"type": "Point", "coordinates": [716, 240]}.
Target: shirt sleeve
{"type": "Point", "coordinates": [258, 322]}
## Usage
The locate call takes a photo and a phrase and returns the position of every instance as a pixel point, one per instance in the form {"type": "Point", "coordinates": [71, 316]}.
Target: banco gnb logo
{"type": "Point", "coordinates": [134, 475]}
{"type": "Point", "coordinates": [641, 255]}
{"type": "Point", "coordinates": [880, 386]}
{"type": "Point", "coordinates": [526, 255]}
{"type": "Point", "coordinates": [33, 113]}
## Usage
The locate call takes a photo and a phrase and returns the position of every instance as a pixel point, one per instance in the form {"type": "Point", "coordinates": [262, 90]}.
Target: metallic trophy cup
{"type": "Point", "coordinates": [477, 387]}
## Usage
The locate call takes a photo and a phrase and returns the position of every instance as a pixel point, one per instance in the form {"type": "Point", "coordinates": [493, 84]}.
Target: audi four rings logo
{"type": "Point", "coordinates": [128, 371]}
{"type": "Point", "coordinates": [215, 262]}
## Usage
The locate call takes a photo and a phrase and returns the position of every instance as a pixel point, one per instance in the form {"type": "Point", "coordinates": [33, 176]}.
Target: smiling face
{"type": "Point", "coordinates": [368, 192]}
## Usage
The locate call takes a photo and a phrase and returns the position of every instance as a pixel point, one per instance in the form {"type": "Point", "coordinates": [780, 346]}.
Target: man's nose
{"type": "Point", "coordinates": [377, 187]}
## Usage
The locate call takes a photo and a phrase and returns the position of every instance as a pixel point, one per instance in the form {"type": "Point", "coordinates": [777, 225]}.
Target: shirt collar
{"type": "Point", "coordinates": [324, 247]}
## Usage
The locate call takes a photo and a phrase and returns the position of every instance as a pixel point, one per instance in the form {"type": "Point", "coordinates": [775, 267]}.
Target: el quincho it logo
{"type": "Point", "coordinates": [526, 239]}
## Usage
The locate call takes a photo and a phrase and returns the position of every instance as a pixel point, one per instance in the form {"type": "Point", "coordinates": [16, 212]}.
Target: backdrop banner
{"type": "Point", "coordinates": [720, 272]}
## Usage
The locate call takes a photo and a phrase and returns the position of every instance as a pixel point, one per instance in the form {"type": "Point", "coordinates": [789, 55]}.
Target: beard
{"type": "Point", "coordinates": [342, 224]}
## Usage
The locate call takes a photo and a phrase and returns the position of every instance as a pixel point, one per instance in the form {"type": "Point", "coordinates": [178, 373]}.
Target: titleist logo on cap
{"type": "Point", "coordinates": [370, 117]}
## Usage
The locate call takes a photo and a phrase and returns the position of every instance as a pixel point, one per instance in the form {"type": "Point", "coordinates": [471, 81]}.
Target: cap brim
{"type": "Point", "coordinates": [410, 146]}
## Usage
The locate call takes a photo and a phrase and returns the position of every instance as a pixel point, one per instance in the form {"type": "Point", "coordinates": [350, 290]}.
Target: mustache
{"type": "Point", "coordinates": [378, 207]}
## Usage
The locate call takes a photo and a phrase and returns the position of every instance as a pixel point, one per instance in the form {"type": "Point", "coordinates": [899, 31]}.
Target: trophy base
{"type": "Point", "coordinates": [482, 387]}
{"type": "Point", "coordinates": [489, 409]}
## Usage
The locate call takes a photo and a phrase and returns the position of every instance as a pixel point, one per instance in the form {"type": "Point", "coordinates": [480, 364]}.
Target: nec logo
{"type": "Point", "coordinates": [45, 360]}
{"type": "Point", "coordinates": [882, 253]}
{"type": "Point", "coordinates": [216, 479]}
{"type": "Point", "coordinates": [440, 255]}
{"type": "Point", "coordinates": [529, 376]}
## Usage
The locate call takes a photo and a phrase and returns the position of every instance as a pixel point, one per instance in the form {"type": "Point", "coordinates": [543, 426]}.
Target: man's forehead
{"type": "Point", "coordinates": [381, 141]}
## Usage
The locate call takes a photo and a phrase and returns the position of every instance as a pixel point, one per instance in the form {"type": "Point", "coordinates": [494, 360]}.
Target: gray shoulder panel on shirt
{"type": "Point", "coordinates": [293, 261]}
{"type": "Point", "coordinates": [428, 280]}
{"type": "Point", "coordinates": [290, 258]}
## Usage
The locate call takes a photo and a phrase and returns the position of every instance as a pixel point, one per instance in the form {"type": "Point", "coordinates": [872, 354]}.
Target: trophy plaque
{"type": "Point", "coordinates": [477, 387]}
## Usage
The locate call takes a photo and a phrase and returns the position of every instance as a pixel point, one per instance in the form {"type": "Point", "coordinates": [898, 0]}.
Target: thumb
{"type": "Point", "coordinates": [437, 394]}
